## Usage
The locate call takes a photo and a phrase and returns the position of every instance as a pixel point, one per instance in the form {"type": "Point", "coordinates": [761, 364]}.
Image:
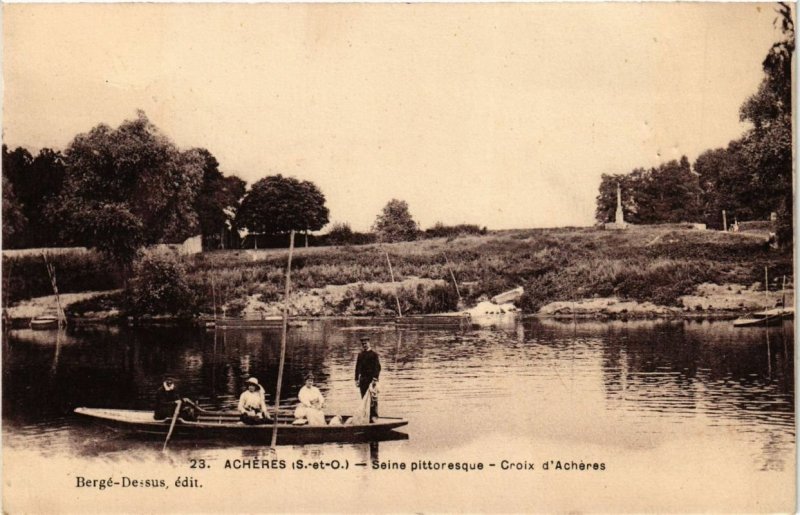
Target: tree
{"type": "Point", "coordinates": [36, 182]}
{"type": "Point", "coordinates": [340, 234]}
{"type": "Point", "coordinates": [47, 172]}
{"type": "Point", "coordinates": [767, 147]}
{"type": "Point", "coordinates": [217, 201]}
{"type": "Point", "coordinates": [725, 184]}
{"type": "Point", "coordinates": [128, 187]}
{"type": "Point", "coordinates": [235, 188]}
{"type": "Point", "coordinates": [160, 287]}
{"type": "Point", "coordinates": [673, 193]}
{"type": "Point", "coordinates": [278, 204]}
{"type": "Point", "coordinates": [15, 167]}
{"type": "Point", "coordinates": [14, 220]}
{"type": "Point", "coordinates": [395, 223]}
{"type": "Point", "coordinates": [667, 193]}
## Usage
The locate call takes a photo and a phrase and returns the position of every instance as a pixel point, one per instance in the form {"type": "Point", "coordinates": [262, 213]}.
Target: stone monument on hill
{"type": "Point", "coordinates": [619, 219]}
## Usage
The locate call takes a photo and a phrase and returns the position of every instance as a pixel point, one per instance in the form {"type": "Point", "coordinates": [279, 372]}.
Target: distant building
{"type": "Point", "coordinates": [190, 246]}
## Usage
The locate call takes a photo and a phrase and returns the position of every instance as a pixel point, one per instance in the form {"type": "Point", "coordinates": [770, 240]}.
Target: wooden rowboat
{"type": "Point", "coordinates": [769, 317]}
{"type": "Point", "coordinates": [44, 322]}
{"type": "Point", "coordinates": [217, 425]}
{"type": "Point", "coordinates": [244, 323]}
{"type": "Point", "coordinates": [441, 320]}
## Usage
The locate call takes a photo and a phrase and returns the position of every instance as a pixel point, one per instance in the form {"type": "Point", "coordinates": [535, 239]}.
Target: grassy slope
{"type": "Point", "coordinates": [656, 264]}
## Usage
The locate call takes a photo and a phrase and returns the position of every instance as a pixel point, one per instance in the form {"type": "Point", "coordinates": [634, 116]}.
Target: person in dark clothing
{"type": "Point", "coordinates": [167, 397]}
{"type": "Point", "coordinates": [368, 370]}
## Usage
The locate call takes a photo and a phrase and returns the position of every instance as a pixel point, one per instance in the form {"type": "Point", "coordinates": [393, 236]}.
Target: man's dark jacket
{"type": "Point", "coordinates": [368, 367]}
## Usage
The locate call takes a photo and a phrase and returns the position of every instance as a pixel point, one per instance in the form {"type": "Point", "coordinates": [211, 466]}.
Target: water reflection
{"type": "Point", "coordinates": [614, 384]}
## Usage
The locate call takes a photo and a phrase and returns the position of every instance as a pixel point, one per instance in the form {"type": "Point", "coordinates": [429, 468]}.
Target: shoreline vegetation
{"type": "Point", "coordinates": [660, 271]}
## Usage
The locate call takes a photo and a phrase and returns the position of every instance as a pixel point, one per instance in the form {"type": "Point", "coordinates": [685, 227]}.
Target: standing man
{"type": "Point", "coordinates": [368, 369]}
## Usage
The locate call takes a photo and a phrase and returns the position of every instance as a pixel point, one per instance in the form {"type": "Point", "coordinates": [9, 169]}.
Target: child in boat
{"type": "Point", "coordinates": [252, 404]}
{"type": "Point", "coordinates": [311, 402]}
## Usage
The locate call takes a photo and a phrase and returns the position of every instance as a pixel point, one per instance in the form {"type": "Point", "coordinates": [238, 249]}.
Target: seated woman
{"type": "Point", "coordinates": [167, 398]}
{"type": "Point", "coordinates": [252, 405]}
{"type": "Point", "coordinates": [311, 401]}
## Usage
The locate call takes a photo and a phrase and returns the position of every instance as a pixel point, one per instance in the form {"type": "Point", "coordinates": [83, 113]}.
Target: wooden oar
{"type": "Point", "coordinates": [172, 425]}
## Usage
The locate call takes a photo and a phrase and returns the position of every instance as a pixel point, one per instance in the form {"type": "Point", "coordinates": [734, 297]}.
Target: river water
{"type": "Point", "coordinates": [682, 415]}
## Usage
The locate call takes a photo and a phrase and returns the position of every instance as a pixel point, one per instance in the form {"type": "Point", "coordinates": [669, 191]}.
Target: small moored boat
{"type": "Point", "coordinates": [765, 318]}
{"type": "Point", "coordinates": [226, 425]}
{"type": "Point", "coordinates": [271, 322]}
{"type": "Point", "coordinates": [441, 320]}
{"type": "Point", "coordinates": [44, 322]}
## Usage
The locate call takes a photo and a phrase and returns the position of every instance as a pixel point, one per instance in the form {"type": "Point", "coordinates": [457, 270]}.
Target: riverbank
{"type": "Point", "coordinates": [708, 301]}
{"type": "Point", "coordinates": [641, 272]}
{"type": "Point", "coordinates": [650, 271]}
{"type": "Point", "coordinates": [22, 312]}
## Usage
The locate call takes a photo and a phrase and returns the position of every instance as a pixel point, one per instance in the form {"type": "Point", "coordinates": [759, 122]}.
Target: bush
{"type": "Point", "coordinates": [160, 287]}
{"type": "Point", "coordinates": [439, 230]}
{"type": "Point", "coordinates": [340, 234]}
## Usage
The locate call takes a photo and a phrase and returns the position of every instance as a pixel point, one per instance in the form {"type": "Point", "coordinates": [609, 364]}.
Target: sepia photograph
{"type": "Point", "coordinates": [398, 257]}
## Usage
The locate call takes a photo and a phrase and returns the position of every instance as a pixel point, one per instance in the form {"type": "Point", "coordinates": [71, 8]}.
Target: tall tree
{"type": "Point", "coordinates": [217, 201]}
{"type": "Point", "coordinates": [726, 185]}
{"type": "Point", "coordinates": [47, 171]}
{"type": "Point", "coordinates": [674, 193]}
{"type": "Point", "coordinates": [126, 187]}
{"type": "Point", "coordinates": [14, 220]}
{"type": "Point", "coordinates": [36, 181]}
{"type": "Point", "coordinates": [767, 147]}
{"type": "Point", "coordinates": [16, 165]}
{"type": "Point", "coordinates": [278, 204]}
{"type": "Point", "coordinates": [395, 223]}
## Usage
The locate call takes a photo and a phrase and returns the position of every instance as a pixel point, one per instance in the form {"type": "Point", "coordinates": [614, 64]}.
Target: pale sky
{"type": "Point", "coordinates": [501, 115]}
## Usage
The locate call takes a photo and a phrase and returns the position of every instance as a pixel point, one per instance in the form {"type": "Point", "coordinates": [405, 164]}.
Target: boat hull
{"type": "Point", "coordinates": [770, 317]}
{"type": "Point", "coordinates": [444, 320]}
{"type": "Point", "coordinates": [44, 323]}
{"type": "Point", "coordinates": [758, 322]}
{"type": "Point", "coordinates": [226, 426]}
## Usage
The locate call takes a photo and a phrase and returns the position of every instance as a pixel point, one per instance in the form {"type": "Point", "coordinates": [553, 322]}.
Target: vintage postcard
{"type": "Point", "coordinates": [359, 258]}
